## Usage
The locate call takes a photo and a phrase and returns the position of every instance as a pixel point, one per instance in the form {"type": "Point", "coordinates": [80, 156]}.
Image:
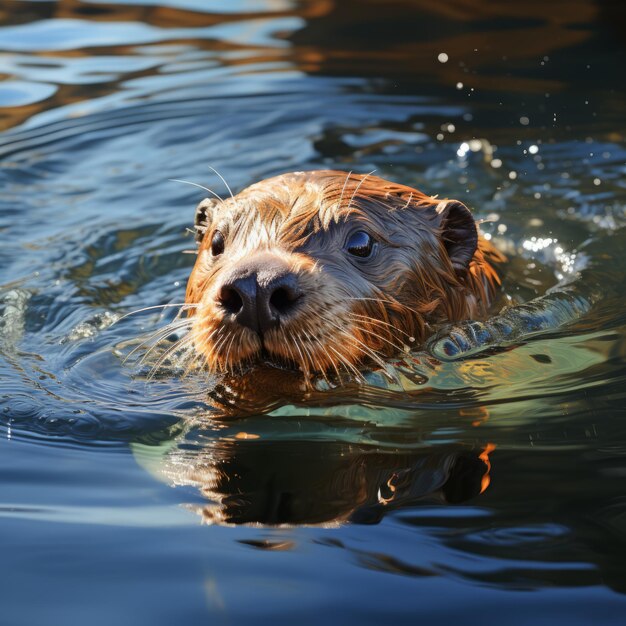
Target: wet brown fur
{"type": "Point", "coordinates": [354, 311]}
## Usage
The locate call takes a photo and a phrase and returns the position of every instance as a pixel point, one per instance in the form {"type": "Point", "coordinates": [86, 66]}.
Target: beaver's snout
{"type": "Point", "coordinates": [260, 292]}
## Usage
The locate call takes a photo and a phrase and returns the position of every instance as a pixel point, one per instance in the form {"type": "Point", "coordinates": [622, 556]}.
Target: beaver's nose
{"type": "Point", "coordinates": [259, 295]}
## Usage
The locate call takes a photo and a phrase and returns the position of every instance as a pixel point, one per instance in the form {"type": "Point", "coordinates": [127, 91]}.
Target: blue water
{"type": "Point", "coordinates": [450, 493]}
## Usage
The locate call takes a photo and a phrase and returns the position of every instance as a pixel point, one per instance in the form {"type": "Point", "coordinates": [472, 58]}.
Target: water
{"type": "Point", "coordinates": [462, 485]}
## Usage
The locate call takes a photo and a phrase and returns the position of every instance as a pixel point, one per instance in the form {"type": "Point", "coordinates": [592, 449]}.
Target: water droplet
{"type": "Point", "coordinates": [524, 121]}
{"type": "Point", "coordinates": [442, 57]}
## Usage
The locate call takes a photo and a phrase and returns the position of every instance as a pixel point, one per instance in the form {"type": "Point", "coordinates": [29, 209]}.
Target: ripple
{"type": "Point", "coordinates": [521, 535]}
{"type": "Point", "coordinates": [59, 70]}
{"type": "Point", "coordinates": [467, 480]}
{"type": "Point", "coordinates": [144, 517]}
{"type": "Point", "coordinates": [15, 93]}
{"type": "Point", "coordinates": [268, 544]}
{"type": "Point", "coordinates": [235, 7]}
{"type": "Point", "coordinates": [72, 34]}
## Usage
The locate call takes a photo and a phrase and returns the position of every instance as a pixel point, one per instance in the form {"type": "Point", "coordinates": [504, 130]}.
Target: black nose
{"type": "Point", "coordinates": [259, 294]}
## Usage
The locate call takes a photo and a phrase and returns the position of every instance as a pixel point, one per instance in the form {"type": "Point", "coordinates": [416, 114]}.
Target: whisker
{"type": "Point", "coordinates": [230, 191]}
{"type": "Point", "coordinates": [343, 359]}
{"type": "Point", "coordinates": [383, 366]}
{"type": "Point", "coordinates": [359, 186]}
{"type": "Point", "coordinates": [315, 365]}
{"type": "Point", "coordinates": [343, 189]}
{"type": "Point", "coordinates": [184, 341]}
{"type": "Point", "coordinates": [392, 302]}
{"type": "Point", "coordinates": [331, 360]}
{"type": "Point", "coordinates": [408, 201]}
{"type": "Point", "coordinates": [204, 336]}
{"type": "Point", "coordinates": [367, 331]}
{"type": "Point", "coordinates": [188, 182]}
{"type": "Point", "coordinates": [367, 351]}
{"type": "Point", "coordinates": [219, 344]}
{"type": "Point", "coordinates": [156, 306]}
{"type": "Point", "coordinates": [155, 345]}
{"type": "Point", "coordinates": [365, 348]}
{"type": "Point", "coordinates": [325, 351]}
{"type": "Point", "coordinates": [300, 363]}
{"type": "Point", "coordinates": [178, 345]}
{"type": "Point", "coordinates": [377, 321]}
{"type": "Point", "coordinates": [158, 335]}
{"type": "Point", "coordinates": [226, 348]}
{"type": "Point", "coordinates": [305, 365]}
{"type": "Point", "coordinates": [194, 359]}
{"type": "Point", "coordinates": [289, 346]}
{"type": "Point", "coordinates": [230, 345]}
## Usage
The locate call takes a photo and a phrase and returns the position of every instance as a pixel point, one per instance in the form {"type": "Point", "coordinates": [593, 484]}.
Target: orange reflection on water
{"type": "Point", "coordinates": [484, 457]}
{"type": "Point", "coordinates": [479, 413]}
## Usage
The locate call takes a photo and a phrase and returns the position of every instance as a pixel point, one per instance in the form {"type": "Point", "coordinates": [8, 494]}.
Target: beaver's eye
{"type": "Point", "coordinates": [360, 244]}
{"type": "Point", "coordinates": [217, 243]}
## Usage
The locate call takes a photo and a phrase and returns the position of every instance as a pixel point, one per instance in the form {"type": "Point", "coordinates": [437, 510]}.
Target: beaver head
{"type": "Point", "coordinates": [326, 271]}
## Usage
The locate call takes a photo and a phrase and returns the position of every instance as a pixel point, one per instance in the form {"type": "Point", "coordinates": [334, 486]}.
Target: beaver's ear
{"type": "Point", "coordinates": [458, 233]}
{"type": "Point", "coordinates": [204, 212]}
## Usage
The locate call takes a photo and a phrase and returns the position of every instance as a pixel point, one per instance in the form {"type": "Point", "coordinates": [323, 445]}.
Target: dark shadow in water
{"type": "Point", "coordinates": [249, 481]}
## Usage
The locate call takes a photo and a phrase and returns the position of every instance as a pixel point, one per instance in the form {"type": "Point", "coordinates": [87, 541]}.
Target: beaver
{"type": "Point", "coordinates": [327, 272]}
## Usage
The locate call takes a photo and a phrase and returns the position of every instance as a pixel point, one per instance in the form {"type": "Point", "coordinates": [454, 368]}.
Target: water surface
{"type": "Point", "coordinates": [451, 493]}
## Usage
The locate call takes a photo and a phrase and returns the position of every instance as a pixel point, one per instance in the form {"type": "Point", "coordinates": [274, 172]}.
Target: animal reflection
{"type": "Point", "coordinates": [248, 480]}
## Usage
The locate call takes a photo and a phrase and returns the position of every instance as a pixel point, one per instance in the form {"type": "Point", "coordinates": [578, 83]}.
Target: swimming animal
{"type": "Point", "coordinates": [327, 272]}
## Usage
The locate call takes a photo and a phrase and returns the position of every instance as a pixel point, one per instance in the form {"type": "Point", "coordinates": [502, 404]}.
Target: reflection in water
{"type": "Point", "coordinates": [251, 480]}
